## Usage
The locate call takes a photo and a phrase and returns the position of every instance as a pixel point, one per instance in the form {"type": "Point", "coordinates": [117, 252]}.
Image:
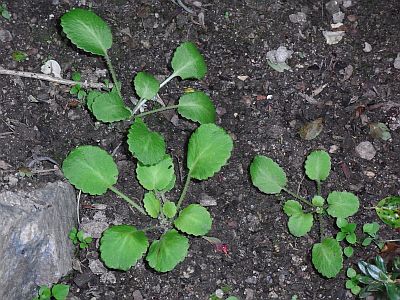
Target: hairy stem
{"type": "Point", "coordinates": [156, 110]}
{"type": "Point", "coordinates": [113, 74]}
{"type": "Point", "coordinates": [298, 197]}
{"type": "Point", "coordinates": [184, 191]}
{"type": "Point", "coordinates": [167, 80]}
{"type": "Point", "coordinates": [140, 103]}
{"type": "Point", "coordinates": [127, 199]}
{"type": "Point", "coordinates": [318, 188]}
{"type": "Point", "coordinates": [321, 226]}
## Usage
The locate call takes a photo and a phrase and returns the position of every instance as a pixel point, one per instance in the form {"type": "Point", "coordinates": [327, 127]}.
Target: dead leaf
{"type": "Point", "coordinates": [348, 71]}
{"type": "Point", "coordinates": [4, 165]}
{"type": "Point", "coordinates": [379, 131]}
{"type": "Point", "coordinates": [312, 129]}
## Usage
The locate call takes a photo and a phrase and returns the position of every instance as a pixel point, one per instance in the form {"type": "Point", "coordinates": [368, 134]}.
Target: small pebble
{"type": "Point", "coordinates": [219, 293]}
{"type": "Point", "coordinates": [366, 150]}
{"type": "Point", "coordinates": [367, 47]}
{"type": "Point", "coordinates": [5, 36]}
{"type": "Point", "coordinates": [369, 174]}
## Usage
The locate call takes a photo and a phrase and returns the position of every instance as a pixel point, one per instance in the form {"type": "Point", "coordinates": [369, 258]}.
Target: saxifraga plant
{"type": "Point", "coordinates": [327, 256]}
{"type": "Point", "coordinates": [92, 170]}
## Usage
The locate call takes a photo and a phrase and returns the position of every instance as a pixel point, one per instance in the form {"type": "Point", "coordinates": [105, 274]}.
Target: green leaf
{"type": "Point", "coordinates": [300, 224]}
{"type": "Point", "coordinates": [152, 205]}
{"type": "Point", "coordinates": [209, 149]}
{"type": "Point", "coordinates": [388, 210]}
{"type": "Point", "coordinates": [147, 146]}
{"type": "Point", "coordinates": [351, 272]}
{"type": "Point", "coordinates": [341, 222]}
{"type": "Point", "coordinates": [170, 185]}
{"type": "Point", "coordinates": [87, 31]}
{"type": "Point", "coordinates": [355, 290]}
{"type": "Point", "coordinates": [156, 177]}
{"type": "Point", "coordinates": [121, 246]}
{"type": "Point", "coordinates": [393, 291]}
{"type": "Point", "coordinates": [146, 86]}
{"type": "Point", "coordinates": [379, 131]}
{"type": "Point", "coordinates": [169, 209]}
{"type": "Point", "coordinates": [194, 219]}
{"type": "Point", "coordinates": [340, 236]}
{"type": "Point", "coordinates": [76, 76]}
{"type": "Point", "coordinates": [109, 107]}
{"type": "Point", "coordinates": [267, 175]}
{"type": "Point", "coordinates": [44, 292]}
{"type": "Point", "coordinates": [380, 263]}
{"type": "Point", "coordinates": [187, 62]}
{"type": "Point", "coordinates": [292, 207]}
{"type": "Point", "coordinates": [198, 107]}
{"type": "Point", "coordinates": [318, 165]}
{"type": "Point", "coordinates": [60, 291]}
{"type": "Point", "coordinates": [232, 298]}
{"type": "Point", "coordinates": [351, 238]}
{"type": "Point", "coordinates": [371, 229]}
{"type": "Point", "coordinates": [166, 253]}
{"type": "Point", "coordinates": [92, 95]}
{"type": "Point", "coordinates": [367, 241]}
{"type": "Point", "coordinates": [90, 169]}
{"type": "Point", "coordinates": [19, 56]}
{"type": "Point", "coordinates": [318, 201]}
{"type": "Point", "coordinates": [348, 251]}
{"type": "Point", "coordinates": [342, 204]}
{"type": "Point", "coordinates": [327, 257]}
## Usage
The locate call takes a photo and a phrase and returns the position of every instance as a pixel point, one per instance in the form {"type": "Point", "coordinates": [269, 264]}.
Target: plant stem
{"type": "Point", "coordinates": [321, 226]}
{"type": "Point", "coordinates": [113, 75]}
{"type": "Point", "coordinates": [184, 191]}
{"type": "Point", "coordinates": [138, 105]}
{"type": "Point", "coordinates": [157, 110]}
{"type": "Point", "coordinates": [298, 197]}
{"type": "Point", "coordinates": [167, 80]}
{"type": "Point", "coordinates": [318, 188]}
{"type": "Point", "coordinates": [127, 199]}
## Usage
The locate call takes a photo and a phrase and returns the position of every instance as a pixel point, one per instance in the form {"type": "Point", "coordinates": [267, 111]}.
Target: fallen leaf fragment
{"type": "Point", "coordinates": [379, 131]}
{"type": "Point", "coordinates": [367, 47]}
{"type": "Point", "coordinates": [312, 129]}
{"type": "Point", "coordinates": [51, 67]}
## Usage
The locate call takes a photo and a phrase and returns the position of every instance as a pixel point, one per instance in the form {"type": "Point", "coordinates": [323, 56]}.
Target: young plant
{"type": "Point", "coordinates": [347, 232]}
{"type": "Point", "coordinates": [4, 11]}
{"type": "Point", "coordinates": [79, 237]}
{"type": "Point", "coordinates": [375, 279]}
{"type": "Point", "coordinates": [58, 292]}
{"type": "Point", "coordinates": [94, 171]}
{"type": "Point", "coordinates": [327, 256]}
{"type": "Point", "coordinates": [77, 90]}
{"type": "Point", "coordinates": [371, 230]}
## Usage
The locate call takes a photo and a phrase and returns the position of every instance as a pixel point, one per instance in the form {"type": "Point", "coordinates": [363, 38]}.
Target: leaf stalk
{"type": "Point", "coordinates": [157, 110]}
{"type": "Point", "coordinates": [298, 197]}
{"type": "Point", "coordinates": [113, 74]}
{"type": "Point", "coordinates": [127, 199]}
{"type": "Point", "coordinates": [184, 191]}
{"type": "Point", "coordinates": [172, 76]}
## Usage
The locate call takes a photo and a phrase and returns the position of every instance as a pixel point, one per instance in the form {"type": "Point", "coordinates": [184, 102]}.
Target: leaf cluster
{"type": "Point", "coordinates": [375, 279]}
{"type": "Point", "coordinates": [270, 178]}
{"type": "Point", "coordinates": [58, 292]}
{"type": "Point", "coordinates": [80, 238]}
{"type": "Point", "coordinates": [92, 170]}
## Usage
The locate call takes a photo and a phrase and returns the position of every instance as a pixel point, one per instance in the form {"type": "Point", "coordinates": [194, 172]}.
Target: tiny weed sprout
{"type": "Point", "coordinates": [375, 280]}
{"type": "Point", "coordinates": [4, 11]}
{"type": "Point", "coordinates": [77, 90]}
{"type": "Point", "coordinates": [79, 237]}
{"type": "Point", "coordinates": [58, 292]}
{"type": "Point", "coordinates": [327, 256]}
{"type": "Point", "coordinates": [93, 170]}
{"type": "Point", "coordinates": [19, 56]}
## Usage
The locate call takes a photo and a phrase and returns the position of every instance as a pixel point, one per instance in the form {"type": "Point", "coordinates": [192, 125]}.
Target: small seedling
{"type": "Point", "coordinates": [371, 230]}
{"type": "Point", "coordinates": [92, 170]}
{"type": "Point", "coordinates": [327, 256]}
{"type": "Point", "coordinates": [19, 56]}
{"type": "Point", "coordinates": [388, 211]}
{"type": "Point", "coordinates": [58, 292]}
{"type": "Point", "coordinates": [77, 90]}
{"type": "Point", "coordinates": [79, 237]}
{"type": "Point", "coordinates": [375, 279]}
{"type": "Point", "coordinates": [4, 11]}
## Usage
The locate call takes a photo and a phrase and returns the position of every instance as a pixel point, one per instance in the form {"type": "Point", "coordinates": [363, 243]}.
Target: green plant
{"type": "Point", "coordinates": [77, 90]}
{"type": "Point", "coordinates": [79, 237]}
{"type": "Point", "coordinates": [19, 56]}
{"type": "Point", "coordinates": [371, 230]}
{"type": "Point", "coordinates": [327, 256]}
{"type": "Point", "coordinates": [4, 11]}
{"type": "Point", "coordinates": [58, 292]}
{"type": "Point", "coordinates": [375, 279]}
{"type": "Point", "coordinates": [388, 210]}
{"type": "Point", "coordinates": [94, 171]}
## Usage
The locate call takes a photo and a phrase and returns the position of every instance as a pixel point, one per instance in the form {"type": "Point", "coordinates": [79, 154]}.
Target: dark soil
{"type": "Point", "coordinates": [264, 261]}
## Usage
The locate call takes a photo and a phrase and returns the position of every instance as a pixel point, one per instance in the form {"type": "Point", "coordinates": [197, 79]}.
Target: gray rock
{"type": "Point", "coordinates": [366, 150]}
{"type": "Point", "coordinates": [34, 244]}
{"type": "Point", "coordinates": [5, 36]}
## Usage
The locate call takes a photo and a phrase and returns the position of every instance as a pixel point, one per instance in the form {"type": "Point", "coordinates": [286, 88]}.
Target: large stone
{"type": "Point", "coordinates": [34, 244]}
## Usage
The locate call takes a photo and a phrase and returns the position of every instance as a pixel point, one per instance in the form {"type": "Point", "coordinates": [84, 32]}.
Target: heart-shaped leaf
{"type": "Point", "coordinates": [327, 257]}
{"type": "Point", "coordinates": [267, 175]}
{"type": "Point", "coordinates": [92, 95]}
{"type": "Point", "coordinates": [194, 219]}
{"type": "Point", "coordinates": [209, 149]}
{"type": "Point", "coordinates": [188, 62]}
{"type": "Point", "coordinates": [147, 146]}
{"type": "Point", "coordinates": [109, 107]}
{"type": "Point", "coordinates": [121, 246]}
{"type": "Point", "coordinates": [146, 86]}
{"type": "Point", "coordinates": [166, 253]}
{"type": "Point", "coordinates": [292, 207]}
{"type": "Point", "coordinates": [198, 107]}
{"type": "Point", "coordinates": [156, 177]}
{"type": "Point", "coordinates": [342, 204]}
{"type": "Point", "coordinates": [60, 291]}
{"type": "Point", "coordinates": [151, 204]}
{"type": "Point", "coordinates": [388, 210]}
{"type": "Point", "coordinates": [87, 31]}
{"type": "Point", "coordinates": [318, 165]}
{"type": "Point", "coordinates": [90, 169]}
